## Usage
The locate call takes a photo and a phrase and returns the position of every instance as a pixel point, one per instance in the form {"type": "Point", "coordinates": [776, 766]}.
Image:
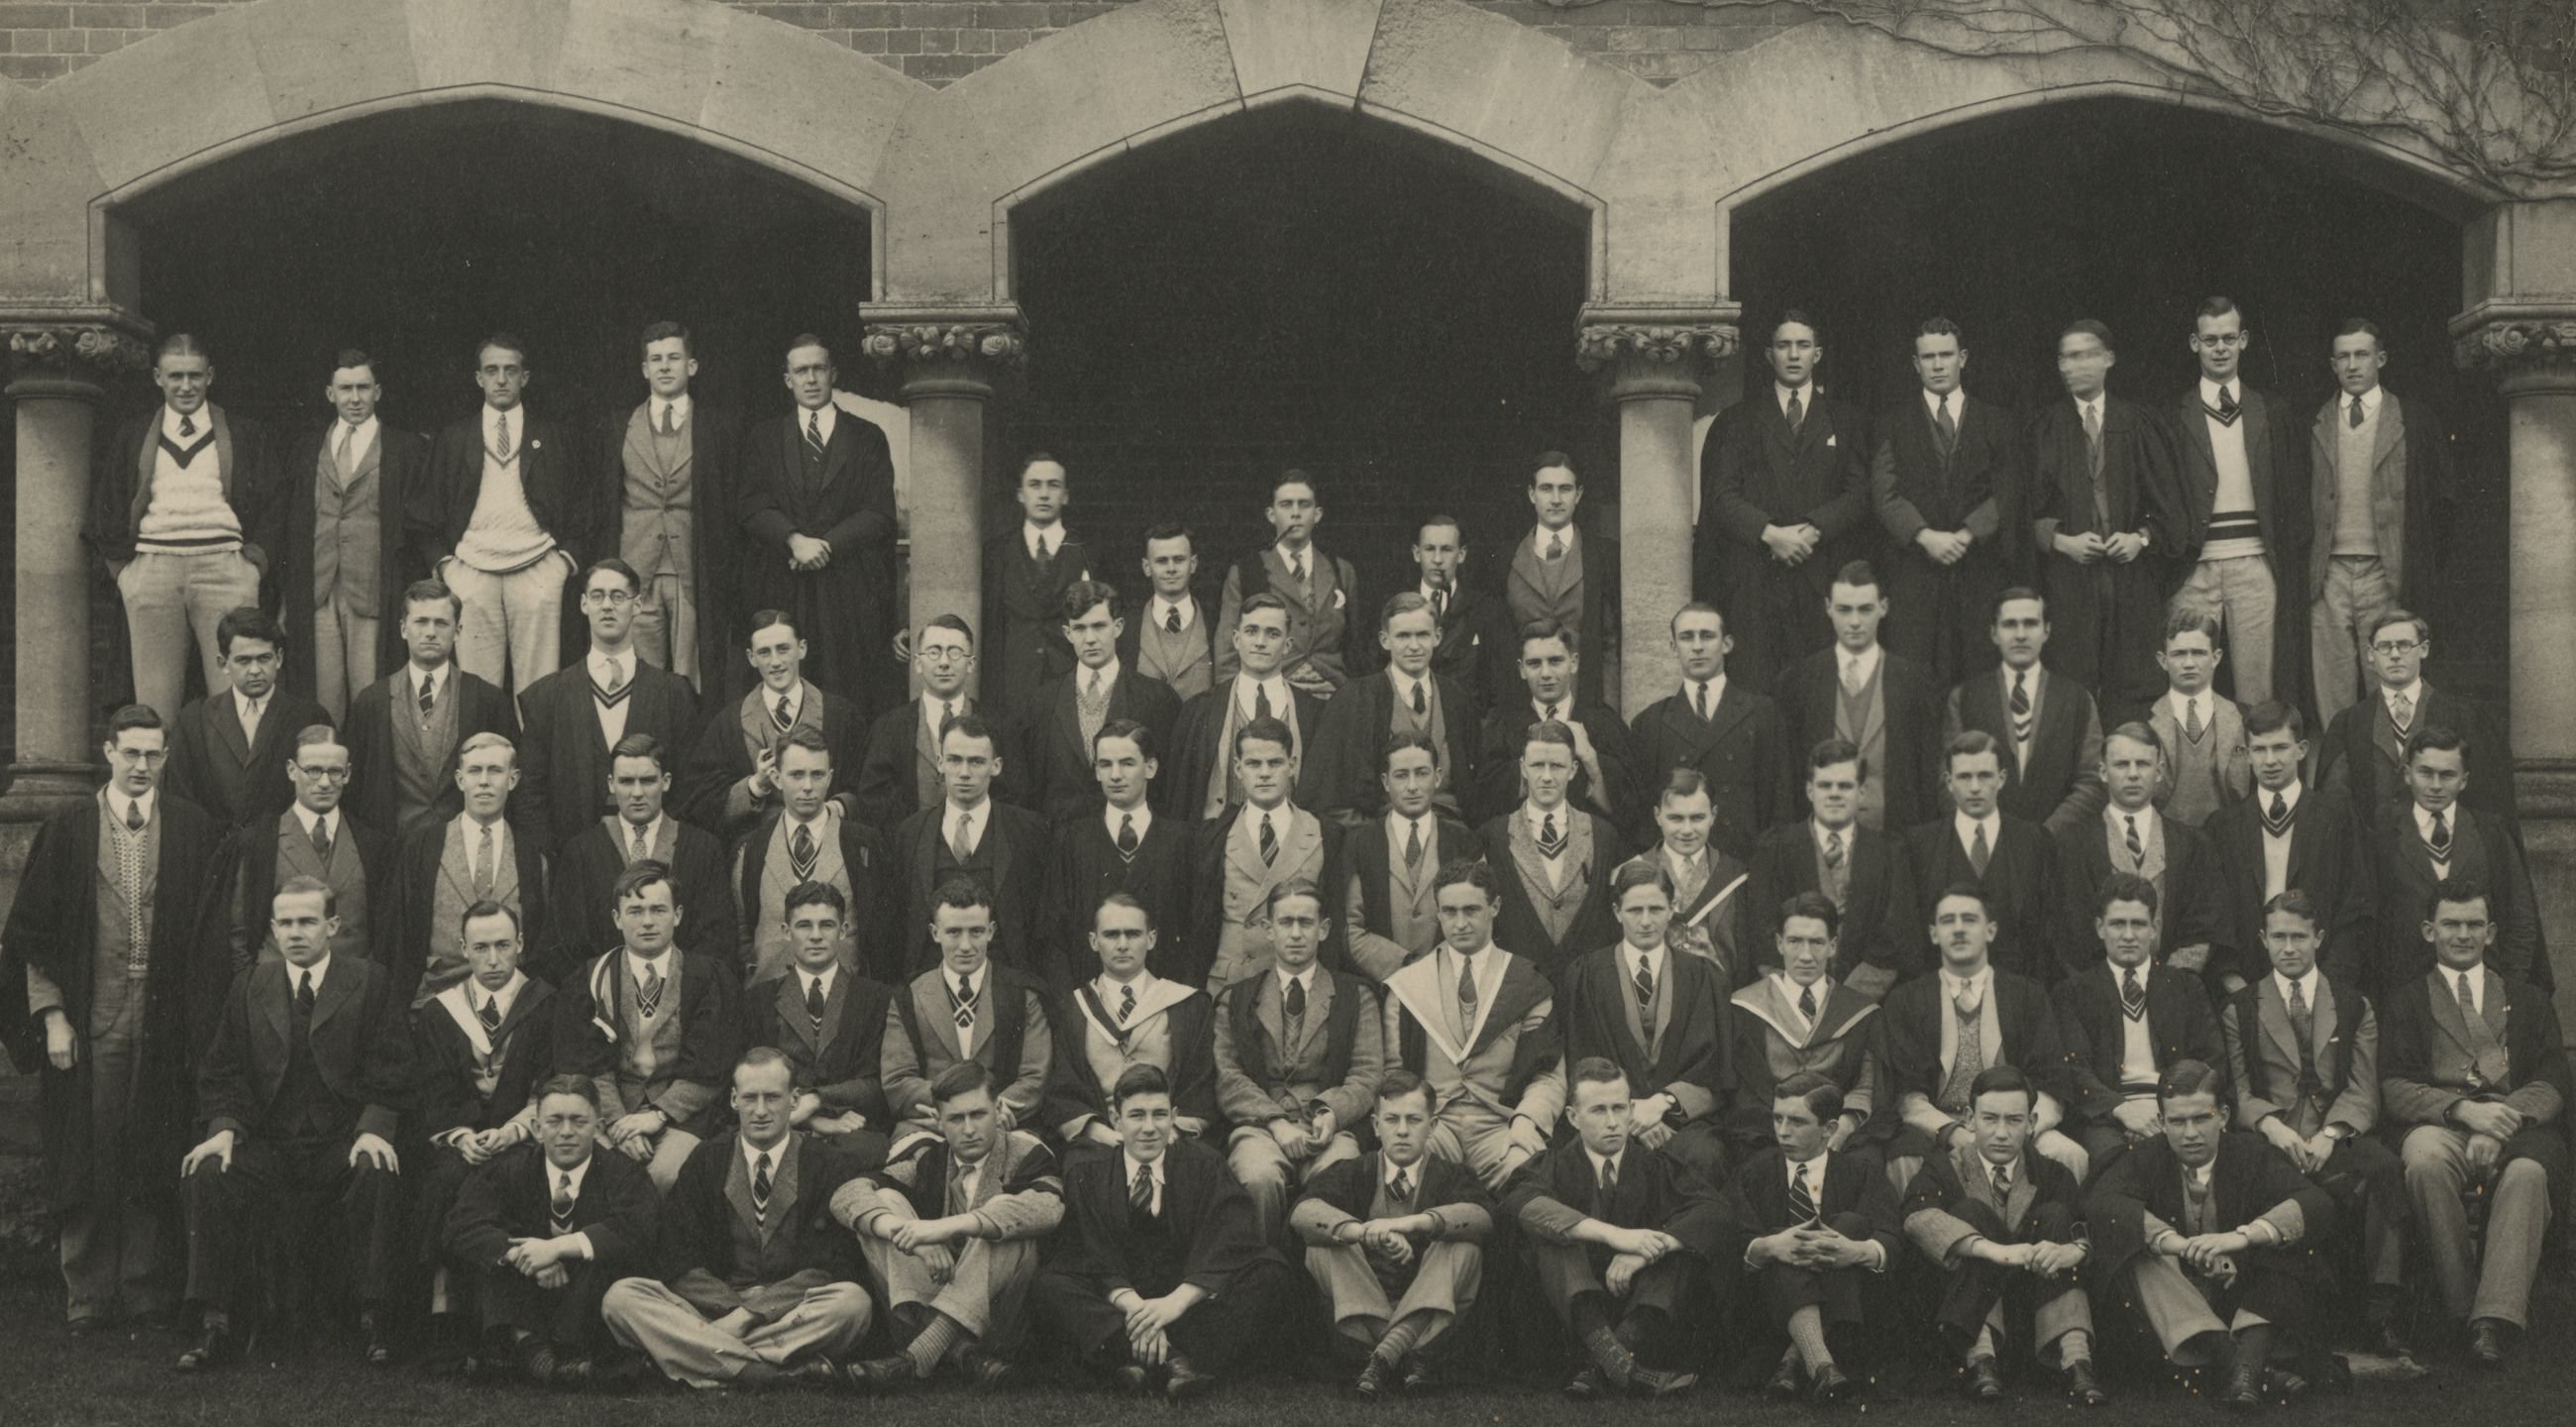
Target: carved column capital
{"type": "Point", "coordinates": [959, 350]}
{"type": "Point", "coordinates": [1655, 350]}
{"type": "Point", "coordinates": [72, 354]}
{"type": "Point", "coordinates": [2525, 346]}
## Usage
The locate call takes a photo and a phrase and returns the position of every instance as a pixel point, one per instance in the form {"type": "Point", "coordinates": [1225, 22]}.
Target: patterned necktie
{"type": "Point", "coordinates": [1979, 853]}
{"type": "Point", "coordinates": [1970, 1057]}
{"type": "Point", "coordinates": [304, 992]}
{"type": "Point", "coordinates": [484, 858]}
{"type": "Point", "coordinates": [779, 715]}
{"type": "Point", "coordinates": [1421, 704]}
{"type": "Point", "coordinates": [1127, 834]}
{"type": "Point", "coordinates": [1834, 852]}
{"type": "Point", "coordinates": [643, 846]}
{"type": "Point", "coordinates": [760, 1186]}
{"type": "Point", "coordinates": [1644, 984]}
{"type": "Point", "coordinates": [1399, 1190]}
{"type": "Point", "coordinates": [2440, 841]}
{"type": "Point", "coordinates": [815, 1002]}
{"type": "Point", "coordinates": [2137, 849]}
{"type": "Point", "coordinates": [814, 431]}
{"type": "Point", "coordinates": [501, 439]}
{"type": "Point", "coordinates": [1609, 1182]}
{"type": "Point", "coordinates": [1127, 1004]}
{"type": "Point", "coordinates": [1797, 413]}
{"type": "Point", "coordinates": [2227, 410]}
{"type": "Point", "coordinates": [1269, 842]}
{"type": "Point", "coordinates": [670, 418]}
{"type": "Point", "coordinates": [1413, 847]}
{"type": "Point", "coordinates": [2356, 413]}
{"type": "Point", "coordinates": [965, 998]}
{"type": "Point", "coordinates": [1093, 709]}
{"type": "Point", "coordinates": [1945, 431]}
{"type": "Point", "coordinates": [801, 850]}
{"type": "Point", "coordinates": [188, 424]}
{"type": "Point", "coordinates": [648, 997]}
{"type": "Point", "coordinates": [428, 697]}
{"type": "Point", "coordinates": [2002, 1175]}
{"type": "Point", "coordinates": [958, 847]}
{"type": "Point", "coordinates": [2303, 1029]}
{"type": "Point", "coordinates": [2276, 820]}
{"type": "Point", "coordinates": [2133, 994]}
{"type": "Point", "coordinates": [322, 840]}
{"type": "Point", "coordinates": [340, 459]}
{"type": "Point", "coordinates": [1042, 555]}
{"type": "Point", "coordinates": [1172, 619]}
{"type": "Point", "coordinates": [1440, 607]}
{"type": "Point", "coordinates": [1260, 702]}
{"type": "Point", "coordinates": [490, 1015]}
{"type": "Point", "coordinates": [1556, 546]}
{"type": "Point", "coordinates": [1466, 991]}
{"type": "Point", "coordinates": [2192, 727]}
{"type": "Point", "coordinates": [1140, 1195]}
{"type": "Point", "coordinates": [2020, 704]}
{"type": "Point", "coordinates": [1297, 570]}
{"type": "Point", "coordinates": [616, 686]}
{"type": "Point", "coordinates": [1296, 1008]}
{"type": "Point", "coordinates": [1551, 841]}
{"type": "Point", "coordinates": [561, 1209]}
{"type": "Point", "coordinates": [1699, 700]}
{"type": "Point", "coordinates": [2401, 712]}
{"type": "Point", "coordinates": [1802, 1200]}
{"type": "Point", "coordinates": [1807, 1001]}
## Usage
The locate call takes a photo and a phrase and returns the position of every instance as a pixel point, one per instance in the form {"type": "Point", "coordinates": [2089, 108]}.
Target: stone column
{"type": "Point", "coordinates": [950, 359]}
{"type": "Point", "coordinates": [1653, 362]}
{"type": "Point", "coordinates": [57, 373]}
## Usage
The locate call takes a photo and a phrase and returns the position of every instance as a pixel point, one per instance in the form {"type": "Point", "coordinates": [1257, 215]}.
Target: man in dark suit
{"type": "Point", "coordinates": [1406, 696]}
{"type": "Point", "coordinates": [314, 839]}
{"type": "Point", "coordinates": [1201, 784]}
{"type": "Point", "coordinates": [969, 834]}
{"type": "Point", "coordinates": [349, 549]}
{"type": "Point", "coordinates": [2132, 838]}
{"type": "Point", "coordinates": [1883, 704]}
{"type": "Point", "coordinates": [1554, 859]}
{"type": "Point", "coordinates": [818, 504]}
{"type": "Point", "coordinates": [1566, 575]}
{"type": "Point", "coordinates": [830, 1022]}
{"type": "Point", "coordinates": [1320, 592]}
{"type": "Point", "coordinates": [2364, 753]}
{"type": "Point", "coordinates": [1861, 870]}
{"type": "Point", "coordinates": [2287, 836]}
{"type": "Point", "coordinates": [1173, 637]}
{"type": "Point", "coordinates": [504, 501]}
{"type": "Point", "coordinates": [2440, 838]}
{"type": "Point", "coordinates": [1712, 916]}
{"type": "Point", "coordinates": [2047, 725]}
{"type": "Point", "coordinates": [545, 1229]}
{"type": "Point", "coordinates": [1730, 732]}
{"type": "Point", "coordinates": [1784, 502]}
{"type": "Point", "coordinates": [1622, 1238]}
{"type": "Point", "coordinates": [2246, 508]}
{"type": "Point", "coordinates": [2011, 862]}
{"type": "Point", "coordinates": [2381, 500]}
{"type": "Point", "coordinates": [898, 775]}
{"type": "Point", "coordinates": [1661, 1017]}
{"type": "Point", "coordinates": [2126, 1020]}
{"type": "Point", "coordinates": [116, 935]}
{"type": "Point", "coordinates": [1129, 848]}
{"type": "Point", "coordinates": [1823, 1233]}
{"type": "Point", "coordinates": [2202, 1236]}
{"type": "Point", "coordinates": [578, 714]}
{"type": "Point", "coordinates": [1253, 847]}
{"type": "Point", "coordinates": [2106, 518]}
{"type": "Point", "coordinates": [480, 1049]}
{"type": "Point", "coordinates": [1388, 916]}
{"type": "Point", "coordinates": [1475, 639]}
{"type": "Point", "coordinates": [1945, 471]}
{"type": "Point", "coordinates": [1550, 662]}
{"type": "Point", "coordinates": [673, 515]}
{"type": "Point", "coordinates": [652, 1026]}
{"type": "Point", "coordinates": [1163, 1281]}
{"type": "Point", "coordinates": [184, 509]}
{"type": "Point", "coordinates": [1026, 572]}
{"type": "Point", "coordinates": [229, 750]}
{"type": "Point", "coordinates": [442, 867]}
{"type": "Point", "coordinates": [2005, 1229]}
{"type": "Point", "coordinates": [757, 1284]}
{"type": "Point", "coordinates": [641, 830]}
{"type": "Point", "coordinates": [811, 839]}
{"type": "Point", "coordinates": [2303, 1056]}
{"type": "Point", "coordinates": [308, 1076]}
{"type": "Point", "coordinates": [2473, 1072]}
{"type": "Point", "coordinates": [1118, 1018]}
{"type": "Point", "coordinates": [732, 778]}
{"type": "Point", "coordinates": [1065, 714]}
{"type": "Point", "coordinates": [406, 729]}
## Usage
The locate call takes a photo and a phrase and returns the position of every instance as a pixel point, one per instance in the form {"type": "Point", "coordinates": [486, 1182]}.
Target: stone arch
{"type": "Point", "coordinates": [233, 83]}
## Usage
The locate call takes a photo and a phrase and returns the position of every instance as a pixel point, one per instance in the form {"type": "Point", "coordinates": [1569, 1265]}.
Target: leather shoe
{"type": "Point", "coordinates": [2286, 1387]}
{"type": "Point", "coordinates": [819, 1371]}
{"type": "Point", "coordinates": [983, 1370]}
{"type": "Point", "coordinates": [1417, 1375]}
{"type": "Point", "coordinates": [1983, 1381]}
{"type": "Point", "coordinates": [92, 1326]}
{"type": "Point", "coordinates": [537, 1361]}
{"type": "Point", "coordinates": [1183, 1380]}
{"type": "Point", "coordinates": [1833, 1384]}
{"type": "Point", "coordinates": [379, 1351]}
{"type": "Point", "coordinates": [574, 1374]}
{"type": "Point", "coordinates": [1586, 1385]}
{"type": "Point", "coordinates": [2084, 1384]}
{"type": "Point", "coordinates": [1129, 1377]}
{"type": "Point", "coordinates": [214, 1347]}
{"type": "Point", "coordinates": [1786, 1380]}
{"type": "Point", "coordinates": [1372, 1380]}
{"type": "Point", "coordinates": [2381, 1339]}
{"type": "Point", "coordinates": [2486, 1343]}
{"type": "Point", "coordinates": [2244, 1391]}
{"type": "Point", "coordinates": [881, 1374]}
{"type": "Point", "coordinates": [1616, 1360]}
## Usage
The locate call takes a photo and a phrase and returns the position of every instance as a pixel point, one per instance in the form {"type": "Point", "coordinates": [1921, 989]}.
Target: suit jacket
{"type": "Point", "coordinates": [2109, 618]}
{"type": "Point", "coordinates": [480, 708]}
{"type": "Point", "coordinates": [1348, 1189]}
{"type": "Point", "coordinates": [1877, 892]}
{"type": "Point", "coordinates": [445, 1062]}
{"type": "Point", "coordinates": [1758, 1197]}
{"type": "Point", "coordinates": [361, 1050]}
{"type": "Point", "coordinates": [401, 457]}
{"type": "Point", "coordinates": [410, 904]}
{"type": "Point", "coordinates": [1074, 1089]}
{"type": "Point", "coordinates": [843, 1061]}
{"type": "Point", "coordinates": [2191, 911]}
{"type": "Point", "coordinates": [1085, 865]}
{"type": "Point", "coordinates": [1909, 777]}
{"type": "Point", "coordinates": [1333, 624]}
{"type": "Point", "coordinates": [1210, 1218]}
{"type": "Point", "coordinates": [845, 610]}
{"type": "Point", "coordinates": [2180, 1025]}
{"type": "Point", "coordinates": [2329, 859]}
{"type": "Point", "coordinates": [563, 790]}
{"type": "Point", "coordinates": [1596, 682]}
{"type": "Point", "coordinates": [1339, 1054]}
{"type": "Point", "coordinates": [1939, 614]}
{"type": "Point", "coordinates": [1052, 758]}
{"type": "Point", "coordinates": [2363, 756]}
{"type": "Point", "coordinates": [2424, 1032]}
{"type": "Point", "coordinates": [1741, 748]}
{"type": "Point", "coordinates": [1377, 883]}
{"type": "Point", "coordinates": [582, 889]}
{"type": "Point", "coordinates": [588, 1029]}
{"type": "Point", "coordinates": [887, 788]}
{"type": "Point", "coordinates": [1199, 638]}
{"type": "Point", "coordinates": [1937, 1203]}
{"type": "Point", "coordinates": [1558, 1191]}
{"type": "Point", "coordinates": [1345, 753]}
{"type": "Point", "coordinates": [2061, 786]}
{"type": "Point", "coordinates": [1012, 1038]}
{"type": "Point", "coordinates": [120, 492]}
{"type": "Point", "coordinates": [1022, 643]}
{"type": "Point", "coordinates": [1498, 762]}
{"type": "Point", "coordinates": [2276, 461]}
{"type": "Point", "coordinates": [2263, 1054]}
{"type": "Point", "coordinates": [1520, 925]}
{"type": "Point", "coordinates": [707, 1223]}
{"type": "Point", "coordinates": [1199, 748]}
{"type": "Point", "coordinates": [715, 547]}
{"type": "Point", "coordinates": [721, 757]}
{"type": "Point", "coordinates": [255, 890]}
{"type": "Point", "coordinates": [1014, 852]}
{"type": "Point", "coordinates": [554, 474]}
{"type": "Point", "coordinates": [1681, 1048]}
{"type": "Point", "coordinates": [880, 947]}
{"type": "Point", "coordinates": [2412, 500]}
{"type": "Point", "coordinates": [242, 784]}
{"type": "Point", "coordinates": [2286, 1284]}
{"type": "Point", "coordinates": [1208, 860]}
{"type": "Point", "coordinates": [2230, 772]}
{"type": "Point", "coordinates": [512, 1198]}
{"type": "Point", "coordinates": [2482, 851]}
{"type": "Point", "coordinates": [1755, 472]}
{"type": "Point", "coordinates": [2023, 889]}
{"type": "Point", "coordinates": [1477, 643]}
{"type": "Point", "coordinates": [2031, 1044]}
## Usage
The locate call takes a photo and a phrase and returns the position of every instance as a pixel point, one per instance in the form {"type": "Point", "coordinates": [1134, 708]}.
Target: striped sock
{"type": "Point", "coordinates": [932, 1343]}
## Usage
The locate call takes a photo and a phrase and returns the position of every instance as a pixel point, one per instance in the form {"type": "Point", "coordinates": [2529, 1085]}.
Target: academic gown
{"type": "Point", "coordinates": [1085, 866]}
{"type": "Point", "coordinates": [1740, 748]}
{"type": "Point", "coordinates": [720, 756]}
{"type": "Point", "coordinates": [566, 762]}
{"type": "Point", "coordinates": [480, 708]}
{"type": "Point", "coordinates": [1051, 758]}
{"type": "Point", "coordinates": [845, 611]}
{"type": "Point", "coordinates": [241, 784]}
{"type": "Point", "coordinates": [585, 878]}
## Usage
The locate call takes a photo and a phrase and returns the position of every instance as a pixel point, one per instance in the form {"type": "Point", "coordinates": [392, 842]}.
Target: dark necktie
{"type": "Point", "coordinates": [670, 418]}
{"type": "Point", "coordinates": [1945, 432]}
{"type": "Point", "coordinates": [1807, 1001]}
{"type": "Point", "coordinates": [1260, 702]}
{"type": "Point", "coordinates": [1466, 992]}
{"type": "Point", "coordinates": [1140, 1195]}
{"type": "Point", "coordinates": [1399, 1190]}
{"type": "Point", "coordinates": [648, 997]}
{"type": "Point", "coordinates": [2093, 442]}
{"type": "Point", "coordinates": [2440, 841]}
{"type": "Point", "coordinates": [1172, 620]}
{"type": "Point", "coordinates": [1421, 705]}
{"type": "Point", "coordinates": [2226, 412]}
{"type": "Point", "coordinates": [304, 992]}
{"type": "Point", "coordinates": [1413, 847]}
{"type": "Point", "coordinates": [642, 845]}
{"type": "Point", "coordinates": [2276, 821]}
{"type": "Point", "coordinates": [1797, 413]}
{"type": "Point", "coordinates": [1802, 1200]}
{"type": "Point", "coordinates": [1551, 842]}
{"type": "Point", "coordinates": [778, 715]}
{"type": "Point", "coordinates": [814, 431]}
{"type": "Point", "coordinates": [1644, 983]}
{"type": "Point", "coordinates": [490, 1015]}
{"type": "Point", "coordinates": [760, 1186]}
{"type": "Point", "coordinates": [2192, 727]}
{"type": "Point", "coordinates": [1556, 546]}
{"type": "Point", "coordinates": [1440, 607]}
{"type": "Point", "coordinates": [322, 840]}
{"type": "Point", "coordinates": [2020, 705]}
{"type": "Point", "coordinates": [1836, 886]}
{"type": "Point", "coordinates": [815, 1001]}
{"type": "Point", "coordinates": [1127, 834]}
{"type": "Point", "coordinates": [1269, 843]}
{"type": "Point", "coordinates": [134, 816]}
{"type": "Point", "coordinates": [2133, 994]}
{"type": "Point", "coordinates": [1297, 570]}
{"type": "Point", "coordinates": [1609, 1183]}
{"type": "Point", "coordinates": [1699, 701]}
{"type": "Point", "coordinates": [2137, 849]}
{"type": "Point", "coordinates": [2303, 1029]}
{"type": "Point", "coordinates": [2356, 413]}
{"type": "Point", "coordinates": [561, 1209]}
{"type": "Point", "coordinates": [801, 852]}
{"type": "Point", "coordinates": [188, 424]}
{"type": "Point", "coordinates": [1296, 1007]}
{"type": "Point", "coordinates": [1979, 852]}
{"type": "Point", "coordinates": [2002, 1175]}
{"type": "Point", "coordinates": [1043, 557]}
{"type": "Point", "coordinates": [428, 697]}
{"type": "Point", "coordinates": [965, 998]}
{"type": "Point", "coordinates": [501, 438]}
{"type": "Point", "coordinates": [1127, 1003]}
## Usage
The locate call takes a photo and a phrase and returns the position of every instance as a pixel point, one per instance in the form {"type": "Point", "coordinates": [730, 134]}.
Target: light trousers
{"type": "Point", "coordinates": [173, 603]}
{"type": "Point", "coordinates": [2240, 594]}
{"type": "Point", "coordinates": [644, 1314]}
{"type": "Point", "coordinates": [1446, 1276]}
{"type": "Point", "coordinates": [344, 654]}
{"type": "Point", "coordinates": [987, 1294]}
{"type": "Point", "coordinates": [1267, 1174]}
{"type": "Point", "coordinates": [2356, 592]}
{"type": "Point", "coordinates": [2496, 1284]}
{"type": "Point", "coordinates": [666, 626]}
{"type": "Point", "coordinates": [513, 623]}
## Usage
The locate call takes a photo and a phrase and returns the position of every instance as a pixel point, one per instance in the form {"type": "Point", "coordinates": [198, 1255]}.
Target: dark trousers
{"type": "Point", "coordinates": [566, 1317]}
{"type": "Point", "coordinates": [2368, 1182]}
{"type": "Point", "coordinates": [1844, 1295]}
{"type": "Point", "coordinates": [1567, 1273]}
{"type": "Point", "coordinates": [1972, 1288]}
{"type": "Point", "coordinates": [279, 1193]}
{"type": "Point", "coordinates": [442, 1173]}
{"type": "Point", "coordinates": [1075, 1310]}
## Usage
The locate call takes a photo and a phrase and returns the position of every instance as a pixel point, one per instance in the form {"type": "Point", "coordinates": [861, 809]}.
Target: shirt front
{"type": "Point", "coordinates": [1106, 676]}
{"type": "Point", "coordinates": [1789, 991]}
{"type": "Point", "coordinates": [1935, 403]}
{"type": "Point", "coordinates": [827, 416]}
{"type": "Point", "coordinates": [611, 671]}
{"type": "Point", "coordinates": [330, 822]}
{"type": "Point", "coordinates": [2476, 976]}
{"type": "Point", "coordinates": [1247, 697]}
{"type": "Point", "coordinates": [500, 1001]}
{"type": "Point", "coordinates": [1111, 815]}
{"type": "Point", "coordinates": [1535, 818]}
{"type": "Point", "coordinates": [1401, 830]}
{"type": "Point", "coordinates": [637, 968]}
{"type": "Point", "coordinates": [752, 1155]}
{"type": "Point", "coordinates": [122, 807]}
{"type": "Point", "coordinates": [667, 410]}
{"type": "Point", "coordinates": [1806, 395]}
{"type": "Point", "coordinates": [2450, 825]}
{"type": "Point", "coordinates": [1815, 1173]}
{"type": "Point", "coordinates": [350, 444]}
{"type": "Point", "coordinates": [1966, 827]}
{"type": "Point", "coordinates": [1651, 960]}
{"type": "Point", "coordinates": [1133, 1166]}
{"type": "Point", "coordinates": [1160, 610]}
{"type": "Point", "coordinates": [318, 972]}
{"type": "Point", "coordinates": [966, 1034]}
{"type": "Point", "coordinates": [973, 819]}
{"type": "Point", "coordinates": [2137, 1046]}
{"type": "Point", "coordinates": [2187, 709]}
{"type": "Point", "coordinates": [1704, 692]}
{"type": "Point", "coordinates": [2276, 846]}
{"type": "Point", "coordinates": [1605, 1169]}
{"type": "Point", "coordinates": [650, 832]}
{"type": "Point", "coordinates": [2413, 694]}
{"type": "Point", "coordinates": [820, 982]}
{"type": "Point", "coordinates": [2307, 988]}
{"type": "Point", "coordinates": [1856, 670]}
{"type": "Point", "coordinates": [250, 711]}
{"type": "Point", "coordinates": [1407, 687]}
{"type": "Point", "coordinates": [1288, 978]}
{"type": "Point", "coordinates": [434, 678]}
{"type": "Point", "coordinates": [1041, 541]}
{"type": "Point", "coordinates": [795, 696]}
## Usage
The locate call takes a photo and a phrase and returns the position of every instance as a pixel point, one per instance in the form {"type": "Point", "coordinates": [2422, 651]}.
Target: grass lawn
{"type": "Point", "coordinates": [48, 1377]}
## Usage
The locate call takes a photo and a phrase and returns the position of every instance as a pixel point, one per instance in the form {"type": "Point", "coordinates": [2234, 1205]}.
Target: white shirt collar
{"type": "Point", "coordinates": [2117, 819]}
{"type": "Point", "coordinates": [1563, 812]}
{"type": "Point", "coordinates": [502, 1000]}
{"type": "Point", "coordinates": [1952, 983]}
{"type": "Point", "coordinates": [2093, 404]}
{"type": "Point", "coordinates": [1815, 1172]}
{"type": "Point", "coordinates": [1790, 990]}
{"type": "Point", "coordinates": [1305, 978]}
{"type": "Point", "coordinates": [1388, 1169]}
{"type": "Point", "coordinates": [2307, 987]}
{"type": "Point", "coordinates": [1780, 396]}
{"type": "Point", "coordinates": [768, 698]}
{"type": "Point", "coordinates": [1134, 1164]}
{"type": "Point", "coordinates": [470, 830]}
{"type": "Point", "coordinates": [1865, 663]}
{"type": "Point", "coordinates": [661, 405]}
{"type": "Point", "coordinates": [2210, 390]}
{"type": "Point", "coordinates": [1107, 674]}
{"type": "Point", "coordinates": [1399, 827]}
{"type": "Point", "coordinates": [307, 817]}
{"type": "Point", "coordinates": [571, 1180]}
{"type": "Point", "coordinates": [1143, 814]}
{"type": "Point", "coordinates": [518, 416]}
{"type": "Point", "coordinates": [1160, 608]}
{"type": "Point", "coordinates": [827, 416]}
{"type": "Point", "coordinates": [2290, 794]}
{"type": "Point", "coordinates": [436, 679]}
{"type": "Point", "coordinates": [320, 971]}
{"type": "Point", "coordinates": [1629, 956]}
{"type": "Point", "coordinates": [2424, 822]}
{"type": "Point", "coordinates": [360, 436]}
{"type": "Point", "coordinates": [1245, 701]}
{"type": "Point", "coordinates": [931, 717]}
{"type": "Point", "coordinates": [1695, 862]}
{"type": "Point", "coordinates": [1033, 535]}
{"type": "Point", "coordinates": [652, 831]}
{"type": "Point", "coordinates": [118, 803]}
{"type": "Point", "coordinates": [975, 818]}
{"type": "Point", "coordinates": [2414, 693]}
{"type": "Point", "coordinates": [247, 708]}
{"type": "Point", "coordinates": [2180, 705]}
{"type": "Point", "coordinates": [2369, 401]}
{"type": "Point", "coordinates": [982, 975]}
{"type": "Point", "coordinates": [2477, 984]}
{"type": "Point", "coordinates": [602, 664]}
{"type": "Point", "coordinates": [829, 975]}
{"type": "Point", "coordinates": [1564, 708]}
{"type": "Point", "coordinates": [1817, 830]}
{"type": "Point", "coordinates": [1603, 1166]}
{"type": "Point", "coordinates": [1716, 689]}
{"type": "Point", "coordinates": [2201, 1175]}
{"type": "Point", "coordinates": [1404, 684]}
{"type": "Point", "coordinates": [1932, 404]}
{"type": "Point", "coordinates": [1967, 826]}
{"type": "Point", "coordinates": [667, 965]}
{"type": "Point", "coordinates": [777, 1156]}
{"type": "Point", "coordinates": [203, 418]}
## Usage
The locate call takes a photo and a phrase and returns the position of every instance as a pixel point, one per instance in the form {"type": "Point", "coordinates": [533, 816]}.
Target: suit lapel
{"type": "Point", "coordinates": [791, 1008]}
{"type": "Point", "coordinates": [336, 991]}
{"type": "Point", "coordinates": [224, 712]}
{"type": "Point", "coordinates": [273, 998]}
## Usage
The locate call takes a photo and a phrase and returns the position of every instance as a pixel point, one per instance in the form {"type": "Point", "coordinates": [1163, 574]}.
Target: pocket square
{"type": "Point", "coordinates": [1829, 440]}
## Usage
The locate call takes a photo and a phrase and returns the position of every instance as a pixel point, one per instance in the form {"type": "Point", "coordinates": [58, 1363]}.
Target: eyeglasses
{"type": "Point", "coordinates": [2396, 646]}
{"type": "Point", "coordinates": [145, 756]}
{"type": "Point", "coordinates": [2221, 339]}
{"type": "Point", "coordinates": [619, 598]}
{"type": "Point", "coordinates": [326, 775]}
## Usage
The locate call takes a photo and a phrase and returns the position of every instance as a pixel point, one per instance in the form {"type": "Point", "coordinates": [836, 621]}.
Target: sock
{"type": "Point", "coordinates": [961, 1341]}
{"type": "Point", "coordinates": [1399, 1339]}
{"type": "Point", "coordinates": [2075, 1347]}
{"type": "Point", "coordinates": [1984, 1347]}
{"type": "Point", "coordinates": [2254, 1346]}
{"type": "Point", "coordinates": [931, 1343]}
{"type": "Point", "coordinates": [1807, 1338]}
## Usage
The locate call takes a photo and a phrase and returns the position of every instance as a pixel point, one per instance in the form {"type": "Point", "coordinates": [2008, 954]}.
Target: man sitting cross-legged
{"type": "Point", "coordinates": [1620, 1237]}
{"type": "Point", "coordinates": [952, 1234]}
{"type": "Point", "coordinates": [1395, 1241]}
{"type": "Point", "coordinates": [1825, 1234]}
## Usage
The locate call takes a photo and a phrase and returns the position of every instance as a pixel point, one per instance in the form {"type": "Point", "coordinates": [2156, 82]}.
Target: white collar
{"type": "Point", "coordinates": [1388, 1169]}
{"type": "Point", "coordinates": [1107, 987]}
{"type": "Point", "coordinates": [1865, 661]}
{"type": "Point", "coordinates": [330, 821]}
{"type": "Point", "coordinates": [660, 405]}
{"type": "Point", "coordinates": [1399, 827]}
{"type": "Point", "coordinates": [1563, 812]}
{"type": "Point", "coordinates": [203, 418]}
{"type": "Point", "coordinates": [1540, 535]}
{"type": "Point", "coordinates": [2116, 818]}
{"type": "Point", "coordinates": [118, 803]}
{"type": "Point", "coordinates": [1106, 673]}
{"type": "Point", "coordinates": [603, 663]}
{"type": "Point", "coordinates": [829, 975]}
{"type": "Point", "coordinates": [1953, 400]}
{"type": "Point", "coordinates": [2120, 973]}
{"type": "Point", "coordinates": [244, 706]}
{"type": "Point", "coordinates": [1564, 709]}
{"type": "Point", "coordinates": [975, 817]}
{"type": "Point", "coordinates": [466, 826]}
{"type": "Point", "coordinates": [2307, 986]}
{"type": "Point", "coordinates": [2477, 983]}
{"type": "Point", "coordinates": [2180, 705]}
{"type": "Point", "coordinates": [502, 1000]}
{"type": "Point", "coordinates": [1953, 983]}
{"type": "Point", "coordinates": [984, 971]}
{"type": "Point", "coordinates": [1276, 684]}
{"type": "Point", "coordinates": [1716, 689]}
{"type": "Point", "coordinates": [1817, 830]}
{"type": "Point", "coordinates": [777, 1156]}
{"type": "Point", "coordinates": [320, 971]}
{"type": "Point", "coordinates": [1281, 819]}
{"type": "Point", "coordinates": [820, 825]}
{"type": "Point", "coordinates": [2031, 676]}
{"type": "Point", "coordinates": [2210, 391]}
{"type": "Point", "coordinates": [1472, 958]}
{"type": "Point", "coordinates": [2369, 400]}
{"type": "Point", "coordinates": [2450, 820]}
{"type": "Point", "coordinates": [1155, 1168]}
{"type": "Point", "coordinates": [1423, 588]}
{"type": "Point", "coordinates": [574, 1177]}
{"type": "Point", "coordinates": [435, 677]}
{"type": "Point", "coordinates": [1160, 606]}
{"type": "Point", "coordinates": [1789, 991]}
{"type": "Point", "coordinates": [2290, 794]}
{"type": "Point", "coordinates": [518, 418]}
{"type": "Point", "coordinates": [1966, 827]}
{"type": "Point", "coordinates": [1630, 955]}
{"type": "Point", "coordinates": [1034, 536]}
{"type": "Point", "coordinates": [1603, 1166]}
{"type": "Point", "coordinates": [826, 416]}
{"type": "Point", "coordinates": [1305, 978]}
{"type": "Point", "coordinates": [359, 436]}
{"type": "Point", "coordinates": [767, 699]}
{"type": "Point", "coordinates": [652, 830]}
{"type": "Point", "coordinates": [1404, 684]}
{"type": "Point", "coordinates": [1780, 395]}
{"type": "Point", "coordinates": [2094, 403]}
{"type": "Point", "coordinates": [930, 703]}
{"type": "Point", "coordinates": [667, 965]}
{"type": "Point", "coordinates": [1815, 1181]}
{"type": "Point", "coordinates": [1143, 813]}
{"type": "Point", "coordinates": [2413, 692]}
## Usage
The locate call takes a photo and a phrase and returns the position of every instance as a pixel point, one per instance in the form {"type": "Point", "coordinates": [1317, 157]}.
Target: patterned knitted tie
{"type": "Point", "coordinates": [1092, 709]}
{"type": "Point", "coordinates": [1140, 1195]}
{"type": "Point", "coordinates": [648, 997]}
{"type": "Point", "coordinates": [1802, 1200]}
{"type": "Point", "coordinates": [2021, 707]}
{"type": "Point", "coordinates": [801, 852]}
{"type": "Point", "coordinates": [1644, 984]}
{"type": "Point", "coordinates": [188, 424]}
{"type": "Point", "coordinates": [1269, 843]}
{"type": "Point", "coordinates": [1127, 835]}
{"type": "Point", "coordinates": [760, 1187]}
{"type": "Point", "coordinates": [958, 846]}
{"type": "Point", "coordinates": [1466, 992]}
{"type": "Point", "coordinates": [815, 1002]}
{"type": "Point", "coordinates": [2137, 849]}
{"type": "Point", "coordinates": [1551, 841]}
{"type": "Point", "coordinates": [2133, 994]}
{"type": "Point", "coordinates": [1979, 853]}
{"type": "Point", "coordinates": [560, 1210]}
{"type": "Point", "coordinates": [1835, 881]}
{"type": "Point", "coordinates": [2276, 819]}
{"type": "Point", "coordinates": [490, 1015]}
{"type": "Point", "coordinates": [1556, 545]}
{"type": "Point", "coordinates": [641, 846]}
{"type": "Point", "coordinates": [1297, 570]}
{"type": "Point", "coordinates": [965, 998]}
{"type": "Point", "coordinates": [779, 715]}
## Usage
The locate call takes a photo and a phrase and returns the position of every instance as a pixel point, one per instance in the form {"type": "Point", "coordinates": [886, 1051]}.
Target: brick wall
{"type": "Point", "coordinates": [1660, 40]}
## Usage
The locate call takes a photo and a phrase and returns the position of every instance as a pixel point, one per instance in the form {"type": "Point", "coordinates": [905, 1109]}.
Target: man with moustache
{"type": "Point", "coordinates": [1123, 1017]}
{"type": "Point", "coordinates": [731, 782]}
{"type": "Point", "coordinates": [968, 1008]}
{"type": "Point", "coordinates": [1883, 704]}
{"type": "Point", "coordinates": [2382, 493]}
{"type": "Point", "coordinates": [899, 773]}
{"type": "Point", "coordinates": [229, 750]}
{"type": "Point", "coordinates": [1387, 910]}
{"type": "Point", "coordinates": [651, 1026]}
{"type": "Point", "coordinates": [811, 838]}
{"type": "Point", "coordinates": [352, 541]}
{"type": "Point", "coordinates": [1404, 697]}
{"type": "Point", "coordinates": [829, 1022]}
{"type": "Point", "coordinates": [505, 493]}
{"type": "Point", "coordinates": [443, 867]}
{"type": "Point", "coordinates": [1550, 663]}
{"type": "Point", "coordinates": [2245, 488]}
{"type": "Point", "coordinates": [673, 516]}
{"type": "Point", "coordinates": [1026, 572]}
{"type": "Point", "coordinates": [2288, 836]}
{"type": "Point", "coordinates": [1795, 1021]}
{"type": "Point", "coordinates": [818, 505]}
{"type": "Point", "coordinates": [641, 830]}
{"type": "Point", "coordinates": [1824, 1232]}
{"type": "Point", "coordinates": [2131, 838]}
{"type": "Point", "coordinates": [1727, 730]}
{"type": "Point", "coordinates": [1065, 714]}
{"type": "Point", "coordinates": [1126, 847]}
{"type": "Point", "coordinates": [1172, 640]}
{"type": "Point", "coordinates": [1862, 872]}
{"type": "Point", "coordinates": [1784, 496]}
{"type": "Point", "coordinates": [1318, 590]}
{"type": "Point", "coordinates": [577, 716]}
{"type": "Point", "coordinates": [2047, 727]}
{"type": "Point", "coordinates": [1662, 1019]}
{"type": "Point", "coordinates": [2128, 1019]}
{"type": "Point", "coordinates": [2203, 735]}
{"type": "Point", "coordinates": [406, 729]}
{"type": "Point", "coordinates": [315, 839]}
{"type": "Point", "coordinates": [1564, 575]}
{"type": "Point", "coordinates": [1945, 470]}
{"type": "Point", "coordinates": [1202, 782]}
